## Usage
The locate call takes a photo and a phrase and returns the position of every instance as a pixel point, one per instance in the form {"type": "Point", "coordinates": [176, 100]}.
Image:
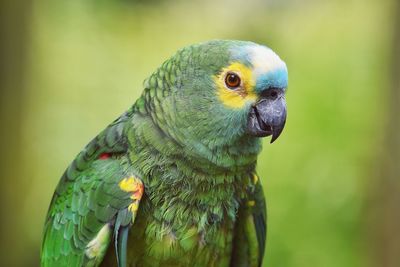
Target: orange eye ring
{"type": "Point", "coordinates": [232, 80]}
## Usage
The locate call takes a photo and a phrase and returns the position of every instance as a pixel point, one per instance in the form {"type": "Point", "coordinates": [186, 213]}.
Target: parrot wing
{"type": "Point", "coordinates": [97, 198]}
{"type": "Point", "coordinates": [251, 228]}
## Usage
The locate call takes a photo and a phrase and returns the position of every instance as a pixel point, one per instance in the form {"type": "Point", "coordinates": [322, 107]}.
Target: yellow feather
{"type": "Point", "coordinates": [129, 184]}
{"type": "Point", "coordinates": [97, 246]}
{"type": "Point", "coordinates": [236, 98]}
{"type": "Point", "coordinates": [255, 178]}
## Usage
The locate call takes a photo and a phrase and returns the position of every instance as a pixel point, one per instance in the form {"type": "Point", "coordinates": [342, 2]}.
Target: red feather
{"type": "Point", "coordinates": [104, 156]}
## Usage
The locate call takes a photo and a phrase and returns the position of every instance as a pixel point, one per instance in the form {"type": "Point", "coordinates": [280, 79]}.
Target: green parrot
{"type": "Point", "coordinates": [172, 181]}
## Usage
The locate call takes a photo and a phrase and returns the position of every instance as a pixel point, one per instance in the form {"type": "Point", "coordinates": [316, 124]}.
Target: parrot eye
{"type": "Point", "coordinates": [232, 80]}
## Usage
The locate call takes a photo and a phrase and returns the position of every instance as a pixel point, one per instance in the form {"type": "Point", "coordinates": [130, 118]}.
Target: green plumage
{"type": "Point", "coordinates": [202, 204]}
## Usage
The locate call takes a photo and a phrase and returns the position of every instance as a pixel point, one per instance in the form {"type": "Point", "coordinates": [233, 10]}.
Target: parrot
{"type": "Point", "coordinates": [172, 181]}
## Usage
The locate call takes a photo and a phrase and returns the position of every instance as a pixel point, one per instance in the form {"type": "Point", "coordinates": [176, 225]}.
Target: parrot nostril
{"type": "Point", "coordinates": [270, 93]}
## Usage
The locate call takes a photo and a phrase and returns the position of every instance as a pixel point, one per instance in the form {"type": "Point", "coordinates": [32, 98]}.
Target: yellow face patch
{"type": "Point", "coordinates": [236, 98]}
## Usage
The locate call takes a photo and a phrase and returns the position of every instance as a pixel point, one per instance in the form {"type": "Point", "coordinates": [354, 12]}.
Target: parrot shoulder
{"type": "Point", "coordinates": [97, 198]}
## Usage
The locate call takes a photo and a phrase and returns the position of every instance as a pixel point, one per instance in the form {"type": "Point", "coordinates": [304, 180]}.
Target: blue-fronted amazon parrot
{"type": "Point", "coordinates": [172, 181]}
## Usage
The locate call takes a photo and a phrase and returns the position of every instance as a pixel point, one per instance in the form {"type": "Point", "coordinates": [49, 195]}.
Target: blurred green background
{"type": "Point", "coordinates": [331, 181]}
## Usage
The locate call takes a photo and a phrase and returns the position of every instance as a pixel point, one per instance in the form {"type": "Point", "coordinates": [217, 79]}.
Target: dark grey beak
{"type": "Point", "coordinates": [268, 117]}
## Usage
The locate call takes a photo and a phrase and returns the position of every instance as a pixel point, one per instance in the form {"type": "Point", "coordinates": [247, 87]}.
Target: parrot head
{"type": "Point", "coordinates": [221, 91]}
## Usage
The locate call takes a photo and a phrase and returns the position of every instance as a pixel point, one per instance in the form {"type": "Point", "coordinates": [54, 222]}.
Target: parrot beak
{"type": "Point", "coordinates": [267, 117]}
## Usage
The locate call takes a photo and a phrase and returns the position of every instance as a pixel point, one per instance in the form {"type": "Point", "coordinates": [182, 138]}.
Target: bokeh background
{"type": "Point", "coordinates": [68, 68]}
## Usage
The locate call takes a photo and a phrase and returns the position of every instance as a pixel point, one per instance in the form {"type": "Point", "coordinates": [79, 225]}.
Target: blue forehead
{"type": "Point", "coordinates": [273, 76]}
{"type": "Point", "coordinates": [277, 78]}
